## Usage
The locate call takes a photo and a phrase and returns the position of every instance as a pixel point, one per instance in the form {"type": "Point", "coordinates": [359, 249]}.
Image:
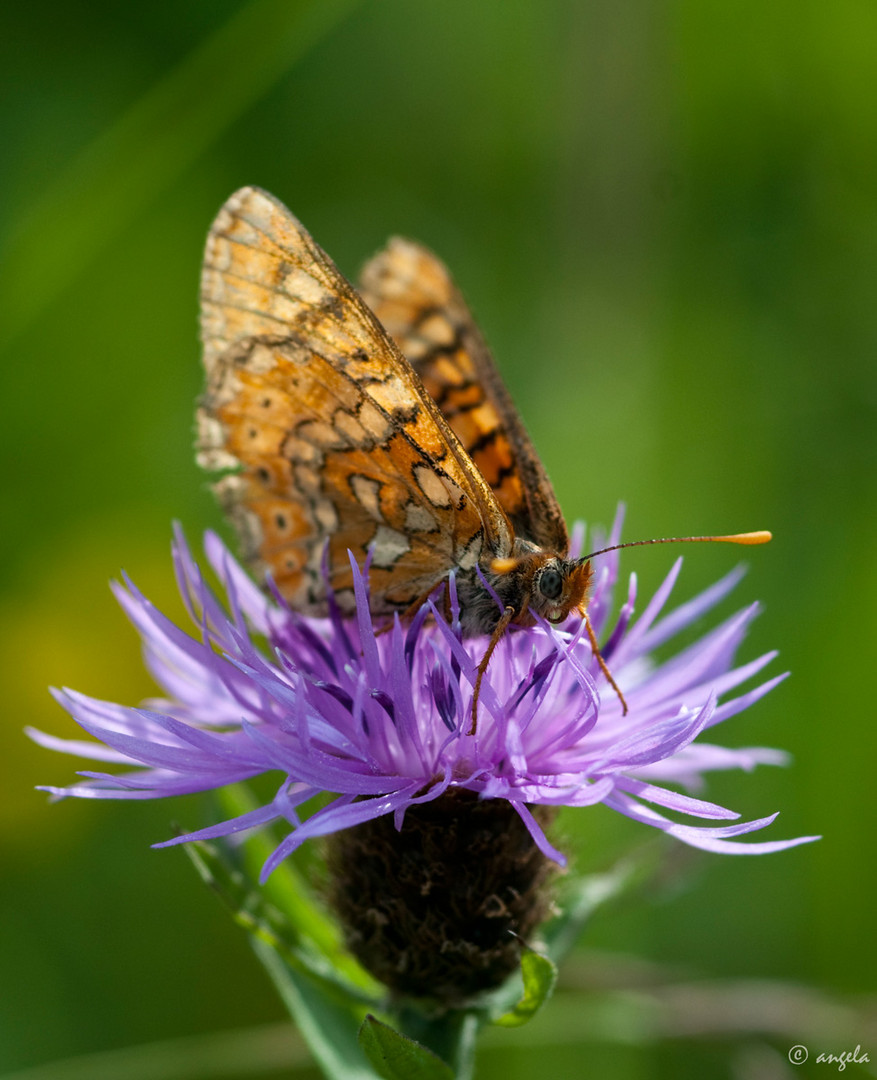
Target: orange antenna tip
{"type": "Point", "coordinates": [503, 566]}
{"type": "Point", "coordinates": [761, 536]}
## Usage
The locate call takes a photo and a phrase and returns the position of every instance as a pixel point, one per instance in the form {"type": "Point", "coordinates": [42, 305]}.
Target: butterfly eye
{"type": "Point", "coordinates": [550, 584]}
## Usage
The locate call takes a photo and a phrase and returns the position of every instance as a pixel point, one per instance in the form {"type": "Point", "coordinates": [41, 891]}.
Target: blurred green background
{"type": "Point", "coordinates": [665, 219]}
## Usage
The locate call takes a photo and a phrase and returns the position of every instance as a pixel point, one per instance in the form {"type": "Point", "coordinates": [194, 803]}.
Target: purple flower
{"type": "Point", "coordinates": [381, 721]}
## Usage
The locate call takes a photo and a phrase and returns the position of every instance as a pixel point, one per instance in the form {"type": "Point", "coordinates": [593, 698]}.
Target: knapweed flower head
{"type": "Point", "coordinates": [381, 722]}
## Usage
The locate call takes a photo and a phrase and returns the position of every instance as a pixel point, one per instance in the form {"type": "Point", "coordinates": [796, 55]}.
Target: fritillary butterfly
{"type": "Point", "coordinates": [375, 422]}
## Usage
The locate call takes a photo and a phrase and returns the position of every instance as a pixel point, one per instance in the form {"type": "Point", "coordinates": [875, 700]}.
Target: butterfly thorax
{"type": "Point", "coordinates": [530, 582]}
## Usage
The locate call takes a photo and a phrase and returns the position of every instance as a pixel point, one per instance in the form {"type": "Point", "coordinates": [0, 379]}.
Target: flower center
{"type": "Point", "coordinates": [437, 909]}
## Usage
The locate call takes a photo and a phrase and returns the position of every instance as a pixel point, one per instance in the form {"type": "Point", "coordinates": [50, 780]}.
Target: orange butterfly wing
{"type": "Point", "coordinates": [327, 437]}
{"type": "Point", "coordinates": [418, 303]}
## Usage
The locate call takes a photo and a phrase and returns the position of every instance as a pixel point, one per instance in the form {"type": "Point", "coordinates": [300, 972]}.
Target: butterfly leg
{"type": "Point", "coordinates": [592, 637]}
{"type": "Point", "coordinates": [498, 632]}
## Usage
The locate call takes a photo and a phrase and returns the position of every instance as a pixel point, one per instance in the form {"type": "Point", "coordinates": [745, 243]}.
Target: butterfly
{"type": "Point", "coordinates": [375, 422]}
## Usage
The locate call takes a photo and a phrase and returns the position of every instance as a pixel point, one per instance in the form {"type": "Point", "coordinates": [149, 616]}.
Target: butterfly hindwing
{"type": "Point", "coordinates": [418, 303]}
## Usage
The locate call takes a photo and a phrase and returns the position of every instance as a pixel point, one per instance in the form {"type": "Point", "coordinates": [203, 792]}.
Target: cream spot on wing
{"type": "Point", "coordinates": [455, 492]}
{"type": "Point", "coordinates": [471, 553]}
{"type": "Point", "coordinates": [418, 519]}
{"type": "Point", "coordinates": [349, 426]}
{"type": "Point", "coordinates": [484, 417]}
{"type": "Point", "coordinates": [416, 348]}
{"type": "Point", "coordinates": [211, 443]}
{"type": "Point", "coordinates": [392, 395]}
{"type": "Point", "coordinates": [219, 254]}
{"type": "Point", "coordinates": [320, 433]}
{"type": "Point", "coordinates": [374, 422]}
{"type": "Point", "coordinates": [432, 485]}
{"type": "Point", "coordinates": [261, 359]}
{"type": "Point", "coordinates": [437, 329]}
{"type": "Point", "coordinates": [299, 450]}
{"type": "Point", "coordinates": [389, 545]}
{"type": "Point", "coordinates": [302, 286]}
{"type": "Point", "coordinates": [367, 492]}
{"type": "Point", "coordinates": [307, 480]}
{"type": "Point", "coordinates": [326, 516]}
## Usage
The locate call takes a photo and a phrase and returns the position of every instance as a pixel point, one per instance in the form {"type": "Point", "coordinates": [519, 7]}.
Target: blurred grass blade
{"type": "Point", "coordinates": [540, 976]}
{"type": "Point", "coordinates": [289, 891]}
{"type": "Point", "coordinates": [396, 1057]}
{"type": "Point", "coordinates": [269, 1050]}
{"type": "Point", "coordinates": [267, 924]}
{"type": "Point", "coordinates": [329, 1027]}
{"type": "Point", "coordinates": [579, 902]}
{"type": "Point", "coordinates": [149, 147]}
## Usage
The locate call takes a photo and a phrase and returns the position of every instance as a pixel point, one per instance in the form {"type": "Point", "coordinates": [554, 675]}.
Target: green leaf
{"type": "Point", "coordinates": [396, 1057]}
{"type": "Point", "coordinates": [329, 1026]}
{"type": "Point", "coordinates": [539, 975]}
{"type": "Point", "coordinates": [450, 1035]}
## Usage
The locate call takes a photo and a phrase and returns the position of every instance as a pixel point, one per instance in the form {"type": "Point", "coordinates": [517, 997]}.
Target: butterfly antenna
{"type": "Point", "coordinates": [760, 537]}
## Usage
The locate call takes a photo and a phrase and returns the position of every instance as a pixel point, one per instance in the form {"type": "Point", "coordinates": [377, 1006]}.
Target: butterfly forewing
{"type": "Point", "coordinates": [418, 303]}
{"type": "Point", "coordinates": [326, 432]}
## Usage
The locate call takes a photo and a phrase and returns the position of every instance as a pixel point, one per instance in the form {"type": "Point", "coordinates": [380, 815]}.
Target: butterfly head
{"type": "Point", "coordinates": [560, 586]}
{"type": "Point", "coordinates": [541, 584]}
